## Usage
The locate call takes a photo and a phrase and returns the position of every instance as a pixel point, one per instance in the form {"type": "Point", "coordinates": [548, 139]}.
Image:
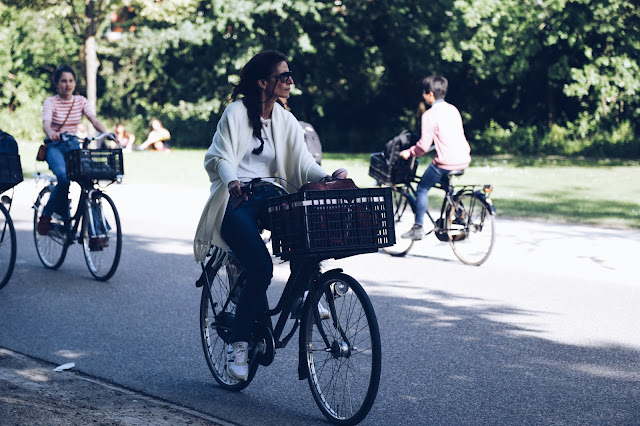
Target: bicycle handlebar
{"type": "Point", "coordinates": [88, 139]}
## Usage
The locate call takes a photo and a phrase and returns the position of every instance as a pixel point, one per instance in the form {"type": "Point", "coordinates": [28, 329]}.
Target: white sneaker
{"type": "Point", "coordinates": [416, 233]}
{"type": "Point", "coordinates": [324, 312]}
{"type": "Point", "coordinates": [237, 365]}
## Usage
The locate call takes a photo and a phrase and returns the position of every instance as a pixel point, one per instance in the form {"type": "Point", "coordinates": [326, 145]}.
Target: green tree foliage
{"type": "Point", "coordinates": [30, 47]}
{"type": "Point", "coordinates": [530, 76]}
{"type": "Point", "coordinates": [565, 70]}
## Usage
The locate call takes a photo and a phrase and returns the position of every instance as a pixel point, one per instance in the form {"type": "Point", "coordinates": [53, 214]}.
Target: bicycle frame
{"type": "Point", "coordinates": [304, 272]}
{"type": "Point", "coordinates": [331, 312]}
{"type": "Point", "coordinates": [411, 192]}
{"type": "Point", "coordinates": [72, 224]}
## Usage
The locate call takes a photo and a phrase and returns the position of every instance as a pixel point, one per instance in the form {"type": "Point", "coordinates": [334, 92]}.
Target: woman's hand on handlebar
{"type": "Point", "coordinates": [406, 154]}
{"type": "Point", "coordinates": [338, 174]}
{"type": "Point", "coordinates": [54, 136]}
{"type": "Point", "coordinates": [235, 189]}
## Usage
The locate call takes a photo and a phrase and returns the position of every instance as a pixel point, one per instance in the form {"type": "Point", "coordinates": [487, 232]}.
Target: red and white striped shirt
{"type": "Point", "coordinates": [55, 109]}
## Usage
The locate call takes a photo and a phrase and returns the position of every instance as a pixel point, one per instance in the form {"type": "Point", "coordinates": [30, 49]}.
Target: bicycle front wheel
{"type": "Point", "coordinates": [470, 227]}
{"type": "Point", "coordinates": [343, 352]}
{"type": "Point", "coordinates": [101, 236]}
{"type": "Point", "coordinates": [51, 248]}
{"type": "Point", "coordinates": [217, 313]}
{"type": "Point", "coordinates": [7, 246]}
{"type": "Point", "coordinates": [403, 218]}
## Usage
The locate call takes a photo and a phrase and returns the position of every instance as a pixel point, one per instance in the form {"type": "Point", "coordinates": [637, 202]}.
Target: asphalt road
{"type": "Point", "coordinates": [545, 332]}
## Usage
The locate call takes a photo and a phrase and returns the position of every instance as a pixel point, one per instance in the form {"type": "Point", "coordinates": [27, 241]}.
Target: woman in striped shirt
{"type": "Point", "coordinates": [62, 114]}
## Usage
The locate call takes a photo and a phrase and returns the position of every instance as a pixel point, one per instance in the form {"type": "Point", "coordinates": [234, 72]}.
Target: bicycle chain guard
{"type": "Point", "coordinates": [264, 346]}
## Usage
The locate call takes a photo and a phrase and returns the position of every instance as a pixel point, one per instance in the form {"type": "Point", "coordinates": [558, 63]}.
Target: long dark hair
{"type": "Point", "coordinates": [260, 66]}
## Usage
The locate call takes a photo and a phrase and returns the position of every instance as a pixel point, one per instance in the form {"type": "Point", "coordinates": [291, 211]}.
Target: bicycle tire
{"type": "Point", "coordinates": [216, 320]}
{"type": "Point", "coordinates": [51, 248]}
{"type": "Point", "coordinates": [102, 255]}
{"type": "Point", "coordinates": [343, 353]}
{"type": "Point", "coordinates": [403, 218]}
{"type": "Point", "coordinates": [7, 246]}
{"type": "Point", "coordinates": [471, 229]}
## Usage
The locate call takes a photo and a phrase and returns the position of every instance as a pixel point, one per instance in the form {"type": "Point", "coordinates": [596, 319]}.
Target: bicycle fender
{"type": "Point", "coordinates": [488, 203]}
{"type": "Point", "coordinates": [336, 270]}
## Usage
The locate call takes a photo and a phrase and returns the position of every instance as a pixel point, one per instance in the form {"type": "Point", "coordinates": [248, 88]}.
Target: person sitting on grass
{"type": "Point", "coordinates": [125, 139]}
{"type": "Point", "coordinates": [158, 138]}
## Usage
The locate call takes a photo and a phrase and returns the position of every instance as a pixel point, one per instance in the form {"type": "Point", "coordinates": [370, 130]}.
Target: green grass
{"type": "Point", "coordinates": [599, 192]}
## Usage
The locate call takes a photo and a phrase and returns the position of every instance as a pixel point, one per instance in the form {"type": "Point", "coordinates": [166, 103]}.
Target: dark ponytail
{"type": "Point", "coordinates": [260, 66]}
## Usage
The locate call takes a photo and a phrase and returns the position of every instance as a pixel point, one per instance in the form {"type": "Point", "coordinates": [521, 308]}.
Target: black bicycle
{"type": "Point", "coordinates": [467, 212]}
{"type": "Point", "coordinates": [95, 223]}
{"type": "Point", "coordinates": [339, 353]}
{"type": "Point", "coordinates": [10, 176]}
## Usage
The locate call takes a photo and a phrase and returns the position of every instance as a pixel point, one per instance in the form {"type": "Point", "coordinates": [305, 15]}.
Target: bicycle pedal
{"type": "Point", "coordinates": [95, 244]}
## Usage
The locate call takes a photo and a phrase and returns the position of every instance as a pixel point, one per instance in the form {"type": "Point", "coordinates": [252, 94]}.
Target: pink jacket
{"type": "Point", "coordinates": [442, 125]}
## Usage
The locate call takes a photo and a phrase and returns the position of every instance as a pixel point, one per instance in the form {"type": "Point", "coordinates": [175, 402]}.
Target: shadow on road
{"type": "Point", "coordinates": [447, 358]}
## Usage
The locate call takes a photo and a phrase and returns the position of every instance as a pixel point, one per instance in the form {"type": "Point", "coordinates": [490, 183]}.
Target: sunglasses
{"type": "Point", "coordinates": [284, 77]}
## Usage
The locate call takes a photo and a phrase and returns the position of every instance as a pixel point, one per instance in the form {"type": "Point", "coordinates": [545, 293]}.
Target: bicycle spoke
{"type": "Point", "coordinates": [343, 353]}
{"type": "Point", "coordinates": [7, 246]}
{"type": "Point", "coordinates": [471, 230]}
{"type": "Point", "coordinates": [101, 236]}
{"type": "Point", "coordinates": [51, 248]}
{"type": "Point", "coordinates": [403, 218]}
{"type": "Point", "coordinates": [216, 310]}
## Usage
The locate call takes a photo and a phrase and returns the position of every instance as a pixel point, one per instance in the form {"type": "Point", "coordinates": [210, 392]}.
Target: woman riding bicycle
{"type": "Point", "coordinates": [442, 126]}
{"type": "Point", "coordinates": [62, 114]}
{"type": "Point", "coordinates": [255, 137]}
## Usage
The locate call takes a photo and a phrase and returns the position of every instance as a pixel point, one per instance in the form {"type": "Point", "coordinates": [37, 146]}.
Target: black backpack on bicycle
{"type": "Point", "coordinates": [8, 144]}
{"type": "Point", "coordinates": [406, 139]}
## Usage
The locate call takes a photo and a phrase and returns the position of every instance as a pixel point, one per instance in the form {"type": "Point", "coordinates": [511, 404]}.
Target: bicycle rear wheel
{"type": "Point", "coordinates": [470, 227]}
{"type": "Point", "coordinates": [343, 352]}
{"type": "Point", "coordinates": [51, 248]}
{"type": "Point", "coordinates": [101, 236]}
{"type": "Point", "coordinates": [217, 313]}
{"type": "Point", "coordinates": [403, 218]}
{"type": "Point", "coordinates": [7, 246]}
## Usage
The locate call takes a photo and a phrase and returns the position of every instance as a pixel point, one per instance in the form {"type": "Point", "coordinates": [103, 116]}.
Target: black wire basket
{"type": "Point", "coordinates": [100, 164]}
{"type": "Point", "coordinates": [400, 172]}
{"type": "Point", "coordinates": [334, 223]}
{"type": "Point", "coordinates": [10, 171]}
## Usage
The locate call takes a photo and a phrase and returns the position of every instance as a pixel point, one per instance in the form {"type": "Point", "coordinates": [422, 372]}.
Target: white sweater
{"type": "Point", "coordinates": [230, 142]}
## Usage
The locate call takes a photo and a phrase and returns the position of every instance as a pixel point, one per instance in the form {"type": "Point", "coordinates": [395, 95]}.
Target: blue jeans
{"type": "Point", "coordinates": [241, 232]}
{"type": "Point", "coordinates": [433, 175]}
{"type": "Point", "coordinates": [59, 200]}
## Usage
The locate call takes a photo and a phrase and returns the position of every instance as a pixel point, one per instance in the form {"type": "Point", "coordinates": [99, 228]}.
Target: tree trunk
{"type": "Point", "coordinates": [91, 58]}
{"type": "Point", "coordinates": [551, 105]}
{"type": "Point", "coordinates": [92, 64]}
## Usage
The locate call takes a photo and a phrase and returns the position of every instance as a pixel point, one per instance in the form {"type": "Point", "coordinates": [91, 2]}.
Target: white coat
{"type": "Point", "coordinates": [230, 143]}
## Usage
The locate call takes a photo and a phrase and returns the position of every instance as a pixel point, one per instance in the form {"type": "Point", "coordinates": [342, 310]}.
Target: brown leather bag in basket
{"type": "Point", "coordinates": [333, 184]}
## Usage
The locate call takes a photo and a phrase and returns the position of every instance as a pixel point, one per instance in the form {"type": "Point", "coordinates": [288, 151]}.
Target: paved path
{"type": "Point", "coordinates": [545, 332]}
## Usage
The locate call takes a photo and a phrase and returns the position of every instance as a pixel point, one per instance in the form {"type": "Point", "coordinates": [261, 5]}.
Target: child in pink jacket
{"type": "Point", "coordinates": [441, 126]}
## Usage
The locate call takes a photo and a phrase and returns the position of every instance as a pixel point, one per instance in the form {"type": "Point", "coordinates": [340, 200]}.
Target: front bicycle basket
{"type": "Point", "coordinates": [400, 172]}
{"type": "Point", "coordinates": [10, 171]}
{"type": "Point", "coordinates": [103, 164]}
{"type": "Point", "coordinates": [333, 223]}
